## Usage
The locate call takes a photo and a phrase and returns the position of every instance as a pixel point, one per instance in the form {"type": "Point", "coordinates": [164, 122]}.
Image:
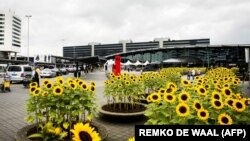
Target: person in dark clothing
{"type": "Point", "coordinates": [36, 76]}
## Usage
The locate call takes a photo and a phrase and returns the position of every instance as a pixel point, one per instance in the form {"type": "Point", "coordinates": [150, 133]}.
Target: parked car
{"type": "Point", "coordinates": [48, 73]}
{"type": "Point", "coordinates": [17, 72]}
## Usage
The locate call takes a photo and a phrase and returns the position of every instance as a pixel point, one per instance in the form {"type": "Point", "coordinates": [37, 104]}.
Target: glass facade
{"type": "Point", "coordinates": [215, 56]}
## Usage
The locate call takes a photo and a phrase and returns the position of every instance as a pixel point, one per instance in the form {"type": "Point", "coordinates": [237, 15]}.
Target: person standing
{"type": "Point", "coordinates": [193, 73]}
{"type": "Point", "coordinates": [36, 76]}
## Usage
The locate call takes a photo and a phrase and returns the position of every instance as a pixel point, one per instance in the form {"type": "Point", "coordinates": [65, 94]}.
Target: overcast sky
{"type": "Point", "coordinates": [57, 23]}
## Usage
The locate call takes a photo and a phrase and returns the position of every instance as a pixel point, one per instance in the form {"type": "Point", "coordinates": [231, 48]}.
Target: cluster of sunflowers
{"type": "Point", "coordinates": [61, 108]}
{"type": "Point", "coordinates": [125, 88]}
{"type": "Point", "coordinates": [215, 98]}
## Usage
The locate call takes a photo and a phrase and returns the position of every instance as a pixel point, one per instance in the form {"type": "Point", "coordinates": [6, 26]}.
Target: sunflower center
{"type": "Point", "coordinates": [72, 85]}
{"type": "Point", "coordinates": [172, 86]}
{"type": "Point", "coordinates": [202, 90]}
{"type": "Point", "coordinates": [184, 97]}
{"type": "Point", "coordinates": [49, 86]}
{"type": "Point", "coordinates": [162, 91]}
{"type": "Point", "coordinates": [58, 90]}
{"type": "Point", "coordinates": [230, 102]}
{"type": "Point", "coordinates": [216, 96]}
{"type": "Point", "coordinates": [92, 89]}
{"type": "Point", "coordinates": [217, 103]}
{"type": "Point", "coordinates": [203, 114]}
{"type": "Point", "coordinates": [183, 109]}
{"type": "Point", "coordinates": [169, 97]}
{"type": "Point", "coordinates": [60, 81]}
{"type": "Point", "coordinates": [37, 92]}
{"type": "Point", "coordinates": [32, 89]}
{"type": "Point", "coordinates": [84, 86]}
{"type": "Point", "coordinates": [80, 83]}
{"type": "Point", "coordinates": [225, 120]}
{"type": "Point", "coordinates": [185, 82]}
{"type": "Point", "coordinates": [227, 92]}
{"type": "Point", "coordinates": [169, 90]}
{"type": "Point", "coordinates": [84, 136]}
{"type": "Point", "coordinates": [155, 97]}
{"type": "Point", "coordinates": [46, 82]}
{"type": "Point", "coordinates": [239, 105]}
{"type": "Point", "coordinates": [197, 105]}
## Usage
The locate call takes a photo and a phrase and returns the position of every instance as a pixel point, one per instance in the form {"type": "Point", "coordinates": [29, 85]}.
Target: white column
{"type": "Point", "coordinates": [124, 45]}
{"type": "Point", "coordinates": [93, 47]}
{"type": "Point", "coordinates": [161, 40]}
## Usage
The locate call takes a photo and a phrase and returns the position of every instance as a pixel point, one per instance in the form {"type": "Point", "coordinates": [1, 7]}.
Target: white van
{"type": "Point", "coordinates": [17, 72]}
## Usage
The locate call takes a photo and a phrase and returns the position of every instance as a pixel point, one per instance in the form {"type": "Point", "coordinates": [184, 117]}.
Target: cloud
{"type": "Point", "coordinates": [57, 23]}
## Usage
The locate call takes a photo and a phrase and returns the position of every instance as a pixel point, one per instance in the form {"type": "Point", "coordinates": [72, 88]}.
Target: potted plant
{"type": "Point", "coordinates": [62, 110]}
{"type": "Point", "coordinates": [123, 94]}
{"type": "Point", "coordinates": [215, 98]}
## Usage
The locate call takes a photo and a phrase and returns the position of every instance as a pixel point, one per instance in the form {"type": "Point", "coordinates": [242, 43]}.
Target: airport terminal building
{"type": "Point", "coordinates": [162, 49]}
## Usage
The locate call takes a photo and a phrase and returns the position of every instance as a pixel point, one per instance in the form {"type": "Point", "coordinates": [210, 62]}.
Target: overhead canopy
{"type": "Point", "coordinates": [146, 63]}
{"type": "Point", "coordinates": [128, 63]}
{"type": "Point", "coordinates": [186, 60]}
{"type": "Point", "coordinates": [137, 63]}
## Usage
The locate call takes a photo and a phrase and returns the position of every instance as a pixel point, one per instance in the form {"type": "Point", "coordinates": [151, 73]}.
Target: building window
{"type": "Point", "coordinates": [16, 45]}
{"type": "Point", "coordinates": [1, 43]}
{"type": "Point", "coordinates": [2, 15]}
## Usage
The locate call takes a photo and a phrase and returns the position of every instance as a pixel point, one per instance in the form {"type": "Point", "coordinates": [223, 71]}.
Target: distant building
{"type": "Point", "coordinates": [10, 34]}
{"type": "Point", "coordinates": [98, 49]}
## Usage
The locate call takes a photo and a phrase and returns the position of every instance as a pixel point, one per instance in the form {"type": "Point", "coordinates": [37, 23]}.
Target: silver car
{"type": "Point", "coordinates": [17, 73]}
{"type": "Point", "coordinates": [47, 73]}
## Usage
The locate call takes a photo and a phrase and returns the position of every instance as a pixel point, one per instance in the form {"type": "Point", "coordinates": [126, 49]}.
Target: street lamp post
{"type": "Point", "coordinates": [28, 16]}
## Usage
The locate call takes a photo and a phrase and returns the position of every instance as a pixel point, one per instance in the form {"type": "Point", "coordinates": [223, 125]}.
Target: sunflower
{"type": "Point", "coordinates": [127, 82]}
{"type": "Point", "coordinates": [155, 97]}
{"type": "Point", "coordinates": [171, 85]}
{"type": "Point", "coordinates": [225, 119]}
{"type": "Point", "coordinates": [169, 98]}
{"type": "Point", "coordinates": [239, 105]}
{"type": "Point", "coordinates": [36, 92]}
{"type": "Point", "coordinates": [216, 95]}
{"type": "Point", "coordinates": [69, 80]}
{"type": "Point", "coordinates": [184, 96]}
{"type": "Point", "coordinates": [215, 82]}
{"type": "Point", "coordinates": [182, 109]}
{"type": "Point", "coordinates": [218, 86]}
{"type": "Point", "coordinates": [197, 105]}
{"type": "Point", "coordinates": [84, 132]}
{"type": "Point", "coordinates": [131, 139]}
{"type": "Point", "coordinates": [48, 86]}
{"type": "Point", "coordinates": [201, 90]}
{"type": "Point", "coordinates": [80, 82]}
{"type": "Point", "coordinates": [229, 102]}
{"type": "Point", "coordinates": [217, 104]}
{"type": "Point", "coordinates": [226, 85]}
{"type": "Point", "coordinates": [32, 89]}
{"type": "Point", "coordinates": [59, 80]}
{"type": "Point", "coordinates": [203, 114]}
{"type": "Point", "coordinates": [185, 83]}
{"type": "Point", "coordinates": [46, 81]}
{"type": "Point", "coordinates": [93, 83]}
{"type": "Point", "coordinates": [58, 131]}
{"type": "Point", "coordinates": [149, 99]}
{"type": "Point", "coordinates": [45, 93]}
{"type": "Point", "coordinates": [57, 90]}
{"type": "Point", "coordinates": [226, 91]}
{"type": "Point", "coordinates": [162, 91]}
{"type": "Point", "coordinates": [207, 87]}
{"type": "Point", "coordinates": [33, 84]}
{"type": "Point", "coordinates": [84, 86]}
{"type": "Point", "coordinates": [92, 88]}
{"type": "Point", "coordinates": [72, 85]}
{"type": "Point", "coordinates": [196, 78]}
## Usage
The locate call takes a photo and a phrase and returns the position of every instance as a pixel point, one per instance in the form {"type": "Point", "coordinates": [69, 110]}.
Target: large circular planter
{"type": "Point", "coordinates": [22, 133]}
{"type": "Point", "coordinates": [108, 111]}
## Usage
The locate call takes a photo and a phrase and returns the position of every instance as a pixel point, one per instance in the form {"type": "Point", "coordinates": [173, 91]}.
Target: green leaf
{"type": "Point", "coordinates": [36, 135]}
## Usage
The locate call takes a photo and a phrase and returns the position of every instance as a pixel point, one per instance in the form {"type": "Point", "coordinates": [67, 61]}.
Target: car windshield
{"type": "Point", "coordinates": [14, 68]}
{"type": "Point", "coordinates": [27, 69]}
